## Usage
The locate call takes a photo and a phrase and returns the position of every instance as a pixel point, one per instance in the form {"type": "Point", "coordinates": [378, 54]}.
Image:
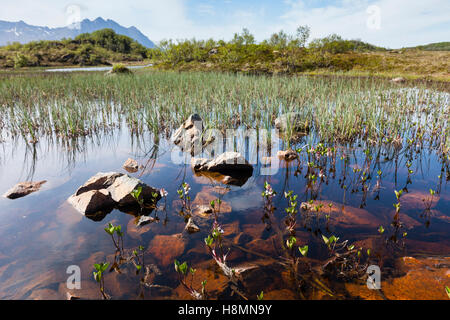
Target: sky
{"type": "Point", "coordinates": [388, 23]}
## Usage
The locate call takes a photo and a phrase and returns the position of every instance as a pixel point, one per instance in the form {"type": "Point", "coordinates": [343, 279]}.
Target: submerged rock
{"type": "Point", "coordinates": [106, 190]}
{"type": "Point", "coordinates": [227, 163]}
{"type": "Point", "coordinates": [131, 165]}
{"type": "Point", "coordinates": [22, 189]}
{"type": "Point", "coordinates": [292, 121]}
{"type": "Point", "coordinates": [166, 248]}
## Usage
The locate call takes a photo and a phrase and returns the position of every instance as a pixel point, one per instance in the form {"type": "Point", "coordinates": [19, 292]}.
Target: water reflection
{"type": "Point", "coordinates": [41, 232]}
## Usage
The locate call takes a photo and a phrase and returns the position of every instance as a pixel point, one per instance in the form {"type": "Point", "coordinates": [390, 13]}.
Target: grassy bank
{"type": "Point", "coordinates": [280, 54]}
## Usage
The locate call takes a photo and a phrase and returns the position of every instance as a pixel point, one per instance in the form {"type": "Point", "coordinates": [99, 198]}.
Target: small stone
{"type": "Point", "coordinates": [143, 220]}
{"type": "Point", "coordinates": [398, 80]}
{"type": "Point", "coordinates": [131, 165]}
{"type": "Point", "coordinates": [287, 155]}
{"type": "Point", "coordinates": [191, 227]}
{"type": "Point", "coordinates": [22, 189]}
{"type": "Point", "coordinates": [71, 296]}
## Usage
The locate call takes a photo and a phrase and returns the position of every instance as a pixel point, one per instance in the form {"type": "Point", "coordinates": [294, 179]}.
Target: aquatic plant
{"type": "Point", "coordinates": [98, 276]}
{"type": "Point", "coordinates": [183, 194]}
{"type": "Point", "coordinates": [116, 236]}
{"type": "Point", "coordinates": [184, 271]}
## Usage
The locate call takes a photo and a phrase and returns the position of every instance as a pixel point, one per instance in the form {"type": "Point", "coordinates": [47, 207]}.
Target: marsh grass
{"type": "Point", "coordinates": [338, 109]}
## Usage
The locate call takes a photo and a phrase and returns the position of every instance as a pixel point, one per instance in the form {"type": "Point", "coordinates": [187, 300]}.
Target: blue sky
{"type": "Point", "coordinates": [390, 23]}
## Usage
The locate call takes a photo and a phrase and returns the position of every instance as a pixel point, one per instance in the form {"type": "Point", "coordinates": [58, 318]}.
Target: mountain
{"type": "Point", "coordinates": [23, 33]}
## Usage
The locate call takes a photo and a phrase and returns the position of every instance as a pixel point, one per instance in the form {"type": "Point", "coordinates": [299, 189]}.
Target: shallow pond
{"type": "Point", "coordinates": [348, 191]}
{"type": "Point", "coordinates": [91, 68]}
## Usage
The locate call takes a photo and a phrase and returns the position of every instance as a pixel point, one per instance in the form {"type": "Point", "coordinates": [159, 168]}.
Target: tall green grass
{"type": "Point", "coordinates": [339, 109]}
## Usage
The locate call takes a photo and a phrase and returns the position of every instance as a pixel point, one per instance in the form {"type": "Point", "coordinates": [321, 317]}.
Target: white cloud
{"type": "Point", "coordinates": [403, 22]}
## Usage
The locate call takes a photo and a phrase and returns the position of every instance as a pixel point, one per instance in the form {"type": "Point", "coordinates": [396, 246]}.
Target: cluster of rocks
{"type": "Point", "coordinates": [106, 190]}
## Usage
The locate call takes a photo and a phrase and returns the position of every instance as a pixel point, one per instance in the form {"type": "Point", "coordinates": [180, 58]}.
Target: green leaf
{"type": "Point", "coordinates": [260, 296]}
{"type": "Point", "coordinates": [381, 230]}
{"type": "Point", "coordinates": [447, 289]}
{"type": "Point", "coordinates": [303, 250]}
{"type": "Point", "coordinates": [290, 242]}
{"type": "Point", "coordinates": [325, 239]}
{"type": "Point", "coordinates": [183, 268]}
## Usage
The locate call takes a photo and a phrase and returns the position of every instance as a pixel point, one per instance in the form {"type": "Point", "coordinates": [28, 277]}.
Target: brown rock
{"type": "Point", "coordinates": [287, 155]}
{"type": "Point", "coordinates": [131, 165]}
{"type": "Point", "coordinates": [167, 248]}
{"type": "Point", "coordinates": [343, 215]}
{"type": "Point", "coordinates": [203, 200]}
{"type": "Point", "coordinates": [424, 279]}
{"type": "Point", "coordinates": [22, 189]}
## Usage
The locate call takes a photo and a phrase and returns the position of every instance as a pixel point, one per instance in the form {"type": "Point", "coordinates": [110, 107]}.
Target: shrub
{"type": "Point", "coordinates": [120, 68]}
{"type": "Point", "coordinates": [20, 61]}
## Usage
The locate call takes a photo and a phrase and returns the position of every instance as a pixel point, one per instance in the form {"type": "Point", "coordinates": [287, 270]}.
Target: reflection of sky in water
{"type": "Point", "coordinates": [41, 232]}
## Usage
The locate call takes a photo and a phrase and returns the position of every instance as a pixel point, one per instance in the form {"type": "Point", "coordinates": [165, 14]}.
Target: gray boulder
{"type": "Point", "coordinates": [92, 201]}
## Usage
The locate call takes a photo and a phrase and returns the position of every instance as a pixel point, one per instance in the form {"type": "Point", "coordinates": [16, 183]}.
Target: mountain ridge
{"type": "Point", "coordinates": [23, 33]}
